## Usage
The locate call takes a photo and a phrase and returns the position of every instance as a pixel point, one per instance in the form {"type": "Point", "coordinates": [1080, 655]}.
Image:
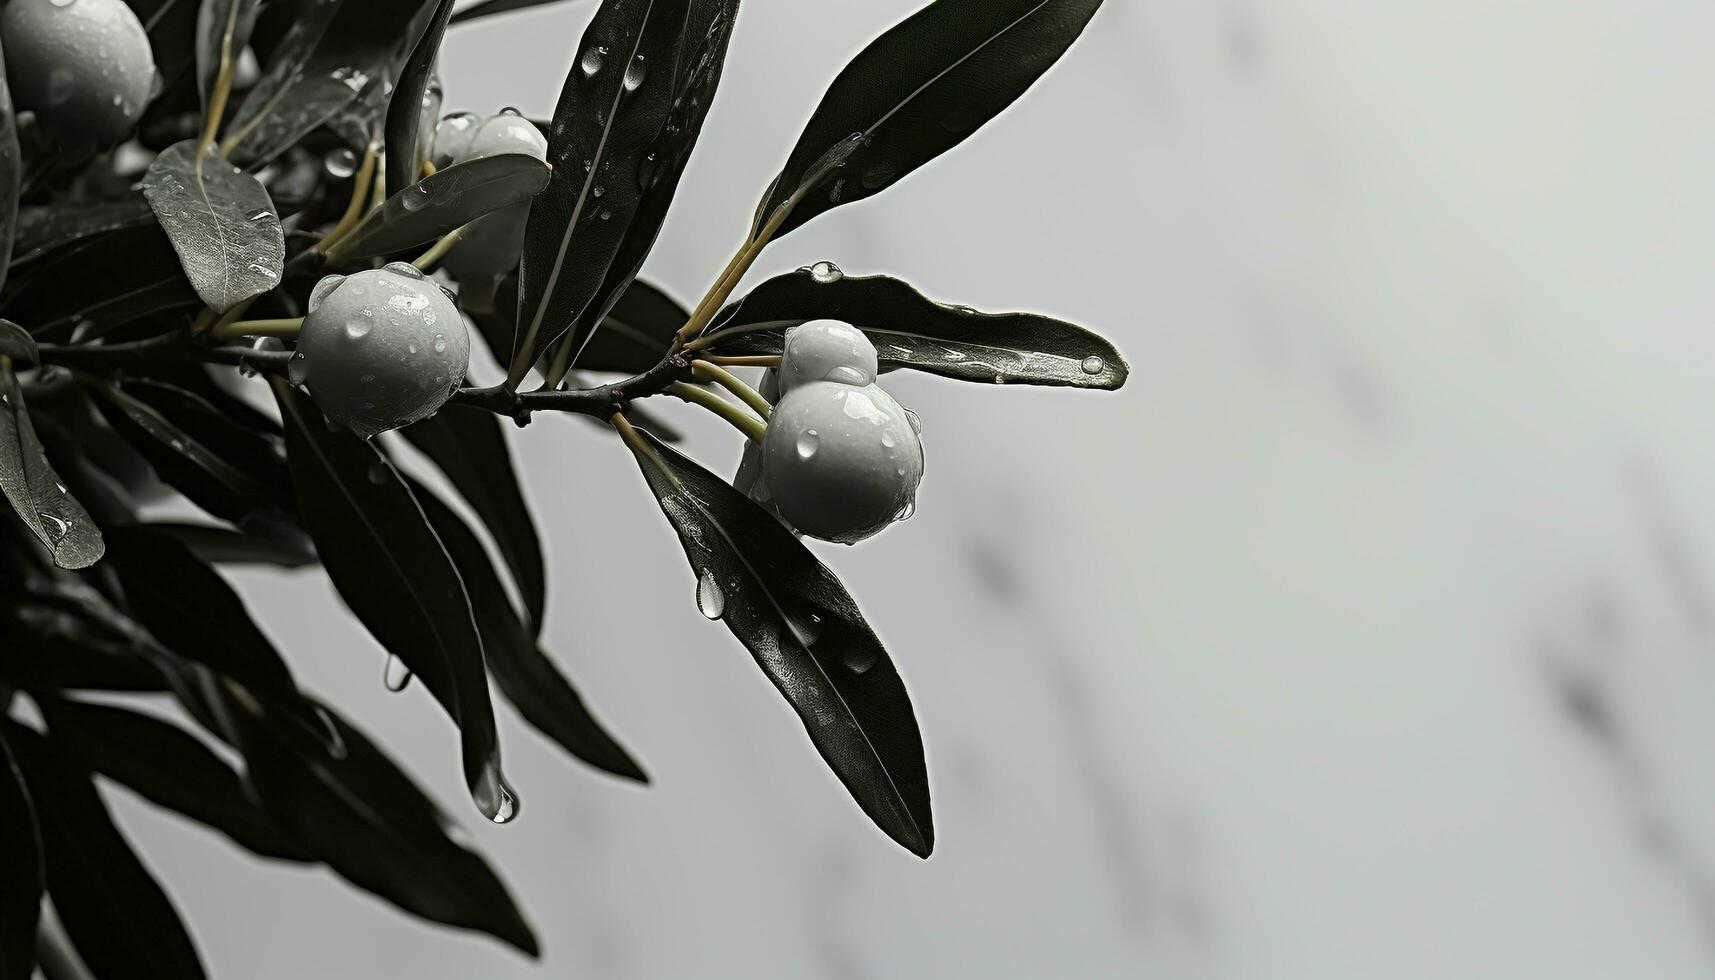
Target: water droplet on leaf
{"type": "Point", "coordinates": [711, 601]}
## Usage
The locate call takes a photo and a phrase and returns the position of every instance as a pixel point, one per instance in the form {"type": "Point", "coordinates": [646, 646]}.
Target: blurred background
{"type": "Point", "coordinates": [1368, 632]}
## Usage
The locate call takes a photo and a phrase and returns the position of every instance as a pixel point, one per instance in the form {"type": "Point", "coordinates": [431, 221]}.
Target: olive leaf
{"type": "Point", "coordinates": [405, 107]}
{"type": "Point", "coordinates": [485, 8]}
{"type": "Point", "coordinates": [222, 546]}
{"type": "Point", "coordinates": [116, 914]}
{"type": "Point", "coordinates": [526, 676]}
{"type": "Point", "coordinates": [636, 332]}
{"type": "Point", "coordinates": [168, 767]}
{"type": "Point", "coordinates": [43, 228]}
{"type": "Point", "coordinates": [363, 816]}
{"type": "Point", "coordinates": [34, 489]}
{"type": "Point", "coordinates": [915, 92]}
{"type": "Point", "coordinates": [445, 200]}
{"type": "Point", "coordinates": [708, 28]}
{"type": "Point", "coordinates": [222, 26]}
{"type": "Point", "coordinates": [140, 274]}
{"type": "Point", "coordinates": [51, 643]}
{"type": "Point", "coordinates": [910, 330]}
{"type": "Point", "coordinates": [616, 100]}
{"type": "Point", "coordinates": [22, 886]}
{"type": "Point", "coordinates": [11, 173]}
{"type": "Point", "coordinates": [469, 446]}
{"type": "Point", "coordinates": [806, 634]}
{"type": "Point", "coordinates": [221, 222]}
{"type": "Point", "coordinates": [393, 572]}
{"type": "Point", "coordinates": [16, 343]}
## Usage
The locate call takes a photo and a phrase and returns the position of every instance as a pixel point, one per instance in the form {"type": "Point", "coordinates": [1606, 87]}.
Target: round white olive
{"type": "Point", "coordinates": [841, 462]}
{"type": "Point", "coordinates": [84, 67]}
{"type": "Point", "coordinates": [380, 348]}
{"type": "Point", "coordinates": [452, 137]}
{"type": "Point", "coordinates": [826, 350]}
{"type": "Point", "coordinates": [491, 246]}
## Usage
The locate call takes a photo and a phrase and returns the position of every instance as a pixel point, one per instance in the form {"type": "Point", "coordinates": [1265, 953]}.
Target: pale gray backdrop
{"type": "Point", "coordinates": [1366, 633]}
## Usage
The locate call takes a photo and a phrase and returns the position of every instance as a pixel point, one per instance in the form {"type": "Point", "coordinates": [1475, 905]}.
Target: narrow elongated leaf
{"type": "Point", "coordinates": [116, 914]}
{"type": "Point", "coordinates": [489, 7]}
{"type": "Point", "coordinates": [445, 200]}
{"type": "Point", "coordinates": [616, 100]}
{"type": "Point", "coordinates": [526, 676]}
{"type": "Point", "coordinates": [917, 91]}
{"type": "Point", "coordinates": [221, 222]}
{"type": "Point", "coordinates": [22, 885]}
{"type": "Point", "coordinates": [220, 546]}
{"type": "Point", "coordinates": [469, 446]}
{"type": "Point", "coordinates": [328, 59]}
{"type": "Point", "coordinates": [45, 227]}
{"type": "Point", "coordinates": [806, 634]}
{"type": "Point", "coordinates": [11, 173]}
{"type": "Point", "coordinates": [35, 490]}
{"type": "Point", "coordinates": [170, 768]}
{"type": "Point", "coordinates": [708, 27]}
{"type": "Point", "coordinates": [16, 343]}
{"type": "Point", "coordinates": [140, 275]}
{"type": "Point", "coordinates": [637, 332]}
{"type": "Point", "coordinates": [910, 330]}
{"type": "Point", "coordinates": [55, 646]}
{"type": "Point", "coordinates": [405, 108]}
{"type": "Point", "coordinates": [393, 572]}
{"type": "Point", "coordinates": [373, 825]}
{"type": "Point", "coordinates": [222, 26]}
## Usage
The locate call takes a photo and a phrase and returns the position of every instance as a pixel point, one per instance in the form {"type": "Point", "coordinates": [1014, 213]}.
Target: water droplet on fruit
{"type": "Point", "coordinates": [591, 62]}
{"type": "Point", "coordinates": [887, 440]}
{"type": "Point", "coordinates": [634, 73]}
{"type": "Point", "coordinates": [916, 423]}
{"type": "Point", "coordinates": [846, 374]}
{"type": "Point", "coordinates": [808, 443]}
{"type": "Point", "coordinates": [510, 111]}
{"type": "Point", "coordinates": [1094, 365]}
{"type": "Point", "coordinates": [298, 368]}
{"type": "Point", "coordinates": [440, 344]}
{"type": "Point", "coordinates": [711, 601]}
{"type": "Point", "coordinates": [62, 3]}
{"type": "Point", "coordinates": [395, 675]}
{"type": "Point", "coordinates": [340, 162]}
{"type": "Point", "coordinates": [357, 329]}
{"type": "Point", "coordinates": [906, 512]}
{"type": "Point", "coordinates": [825, 271]}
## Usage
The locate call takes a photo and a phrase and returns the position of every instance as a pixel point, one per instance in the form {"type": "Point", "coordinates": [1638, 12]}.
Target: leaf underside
{"type": "Point", "coordinates": [221, 222]}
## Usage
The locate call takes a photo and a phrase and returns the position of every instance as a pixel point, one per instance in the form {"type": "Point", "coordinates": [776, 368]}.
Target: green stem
{"type": "Point", "coordinates": [285, 327]}
{"type": "Point", "coordinates": [222, 87]}
{"type": "Point", "coordinates": [438, 251]}
{"type": "Point", "coordinates": [354, 209]}
{"type": "Point", "coordinates": [753, 427]}
{"type": "Point", "coordinates": [704, 371]}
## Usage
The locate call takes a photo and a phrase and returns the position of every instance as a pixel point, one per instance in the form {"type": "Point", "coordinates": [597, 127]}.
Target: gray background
{"type": "Point", "coordinates": [1366, 633]}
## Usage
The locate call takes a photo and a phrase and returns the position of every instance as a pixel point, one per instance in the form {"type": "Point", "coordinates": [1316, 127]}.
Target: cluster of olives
{"type": "Point", "coordinates": [82, 68]}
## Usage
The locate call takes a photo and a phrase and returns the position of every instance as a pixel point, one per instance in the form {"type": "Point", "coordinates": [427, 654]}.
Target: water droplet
{"type": "Point", "coordinates": [298, 368]}
{"type": "Point", "coordinates": [57, 528]}
{"type": "Point", "coordinates": [887, 440]}
{"type": "Point", "coordinates": [378, 472]}
{"type": "Point", "coordinates": [510, 111]}
{"type": "Point", "coordinates": [808, 443]}
{"type": "Point", "coordinates": [858, 659]}
{"type": "Point", "coordinates": [1094, 365]}
{"type": "Point", "coordinates": [410, 347]}
{"type": "Point", "coordinates": [606, 215]}
{"type": "Point", "coordinates": [357, 329]}
{"type": "Point", "coordinates": [846, 374]}
{"type": "Point", "coordinates": [634, 73]}
{"type": "Point", "coordinates": [711, 601]}
{"type": "Point", "coordinates": [419, 195]}
{"type": "Point", "coordinates": [395, 675]}
{"type": "Point", "coordinates": [260, 214]}
{"type": "Point", "coordinates": [599, 190]}
{"type": "Point", "coordinates": [62, 3]}
{"type": "Point", "coordinates": [916, 423]}
{"type": "Point", "coordinates": [405, 269]}
{"type": "Point", "coordinates": [591, 62]}
{"type": "Point", "coordinates": [440, 344]}
{"type": "Point", "coordinates": [340, 162]}
{"type": "Point", "coordinates": [906, 512]}
{"type": "Point", "coordinates": [1000, 379]}
{"type": "Point", "coordinates": [825, 271]}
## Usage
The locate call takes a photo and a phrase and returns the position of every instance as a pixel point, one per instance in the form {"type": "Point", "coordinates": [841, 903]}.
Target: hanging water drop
{"type": "Point", "coordinates": [711, 601]}
{"type": "Point", "coordinates": [591, 62]}
{"type": "Point", "coordinates": [395, 675]}
{"type": "Point", "coordinates": [340, 162]}
{"type": "Point", "coordinates": [634, 73]}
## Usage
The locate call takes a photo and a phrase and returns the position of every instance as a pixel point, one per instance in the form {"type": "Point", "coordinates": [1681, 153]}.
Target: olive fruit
{"type": "Point", "coordinates": [84, 67]}
{"type": "Point", "coordinates": [380, 348]}
{"type": "Point", "coordinates": [491, 246]}
{"type": "Point", "coordinates": [841, 462]}
{"type": "Point", "coordinates": [826, 350]}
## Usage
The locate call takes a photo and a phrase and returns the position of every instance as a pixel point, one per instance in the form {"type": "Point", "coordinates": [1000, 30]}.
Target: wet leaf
{"type": "Point", "coordinates": [917, 91]}
{"type": "Point", "coordinates": [616, 100]}
{"type": "Point", "coordinates": [168, 767]}
{"type": "Point", "coordinates": [43, 228]}
{"type": "Point", "coordinates": [405, 107]}
{"type": "Point", "coordinates": [392, 571]}
{"type": "Point", "coordinates": [140, 274]}
{"type": "Point", "coordinates": [22, 886]}
{"type": "Point", "coordinates": [16, 343]}
{"type": "Point", "coordinates": [11, 174]}
{"type": "Point", "coordinates": [56, 646]}
{"type": "Point", "coordinates": [445, 200]}
{"type": "Point", "coordinates": [221, 546]}
{"type": "Point", "coordinates": [35, 490]}
{"type": "Point", "coordinates": [221, 222]}
{"type": "Point", "coordinates": [910, 330]}
{"type": "Point", "coordinates": [806, 634]}
{"type": "Point", "coordinates": [526, 676]}
{"type": "Point", "coordinates": [112, 908]}
{"type": "Point", "coordinates": [364, 817]}
{"type": "Point", "coordinates": [486, 8]}
{"type": "Point", "coordinates": [469, 446]}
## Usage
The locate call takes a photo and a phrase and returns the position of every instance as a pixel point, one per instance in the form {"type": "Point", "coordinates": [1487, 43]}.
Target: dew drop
{"type": "Point", "coordinates": [634, 73]}
{"type": "Point", "coordinates": [916, 423]}
{"type": "Point", "coordinates": [1094, 365]}
{"type": "Point", "coordinates": [825, 271]}
{"type": "Point", "coordinates": [340, 162]}
{"type": "Point", "coordinates": [357, 329]}
{"type": "Point", "coordinates": [56, 527]}
{"type": "Point", "coordinates": [378, 473]}
{"type": "Point", "coordinates": [395, 675]}
{"type": "Point", "coordinates": [62, 4]}
{"type": "Point", "coordinates": [440, 344]}
{"type": "Point", "coordinates": [591, 62]}
{"type": "Point", "coordinates": [417, 197]}
{"type": "Point", "coordinates": [887, 440]}
{"type": "Point", "coordinates": [858, 659]}
{"type": "Point", "coordinates": [298, 368]}
{"type": "Point", "coordinates": [711, 601]}
{"type": "Point", "coordinates": [808, 443]}
{"type": "Point", "coordinates": [599, 190]}
{"type": "Point", "coordinates": [510, 111]}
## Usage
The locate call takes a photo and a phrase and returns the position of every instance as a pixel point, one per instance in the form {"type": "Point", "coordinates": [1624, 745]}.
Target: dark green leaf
{"type": "Point", "coordinates": [22, 885]}
{"type": "Point", "coordinates": [525, 674]}
{"type": "Point", "coordinates": [35, 490]}
{"type": "Point", "coordinates": [16, 343]}
{"type": "Point", "coordinates": [806, 634]}
{"type": "Point", "coordinates": [218, 545]}
{"type": "Point", "coordinates": [221, 223]}
{"type": "Point", "coordinates": [370, 822]}
{"type": "Point", "coordinates": [487, 7]}
{"type": "Point", "coordinates": [57, 646]}
{"type": "Point", "coordinates": [11, 173]}
{"type": "Point", "coordinates": [222, 26]}
{"type": "Point", "coordinates": [393, 572]}
{"type": "Point", "coordinates": [636, 333]}
{"type": "Point", "coordinates": [702, 53]}
{"type": "Point", "coordinates": [617, 98]}
{"type": "Point", "coordinates": [910, 330]}
{"type": "Point", "coordinates": [917, 91]}
{"type": "Point", "coordinates": [170, 768]}
{"type": "Point", "coordinates": [445, 200]}
{"type": "Point", "coordinates": [405, 108]}
{"type": "Point", "coordinates": [140, 275]}
{"type": "Point", "coordinates": [117, 916]}
{"type": "Point", "coordinates": [469, 446]}
{"type": "Point", "coordinates": [43, 228]}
